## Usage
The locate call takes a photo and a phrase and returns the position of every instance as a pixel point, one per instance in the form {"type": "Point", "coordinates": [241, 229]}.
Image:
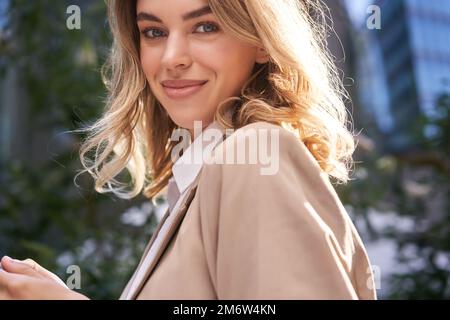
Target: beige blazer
{"type": "Point", "coordinates": [239, 234]}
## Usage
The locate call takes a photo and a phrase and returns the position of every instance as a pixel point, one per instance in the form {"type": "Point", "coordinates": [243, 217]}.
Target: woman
{"type": "Point", "coordinates": [235, 108]}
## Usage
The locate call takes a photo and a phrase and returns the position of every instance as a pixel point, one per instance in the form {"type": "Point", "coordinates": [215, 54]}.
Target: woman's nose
{"type": "Point", "coordinates": [176, 52]}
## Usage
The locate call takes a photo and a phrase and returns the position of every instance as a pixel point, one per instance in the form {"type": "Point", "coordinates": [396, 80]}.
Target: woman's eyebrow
{"type": "Point", "coordinates": [187, 16]}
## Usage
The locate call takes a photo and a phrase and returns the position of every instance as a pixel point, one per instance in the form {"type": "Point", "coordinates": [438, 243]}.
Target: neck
{"type": "Point", "coordinates": [194, 133]}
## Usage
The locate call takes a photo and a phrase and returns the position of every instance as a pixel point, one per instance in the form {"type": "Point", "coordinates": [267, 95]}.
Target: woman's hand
{"type": "Point", "coordinates": [28, 280]}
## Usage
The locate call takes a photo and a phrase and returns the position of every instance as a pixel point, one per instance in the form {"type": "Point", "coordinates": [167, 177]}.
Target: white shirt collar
{"type": "Point", "coordinates": [186, 169]}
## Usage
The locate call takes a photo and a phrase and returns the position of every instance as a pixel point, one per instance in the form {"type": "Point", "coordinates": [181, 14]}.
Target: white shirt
{"type": "Point", "coordinates": [187, 168]}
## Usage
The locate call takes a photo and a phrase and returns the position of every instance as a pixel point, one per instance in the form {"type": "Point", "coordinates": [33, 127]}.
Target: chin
{"type": "Point", "coordinates": [190, 125]}
{"type": "Point", "coordinates": [187, 121]}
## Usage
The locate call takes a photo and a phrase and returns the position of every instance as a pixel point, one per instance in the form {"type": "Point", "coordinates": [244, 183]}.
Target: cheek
{"type": "Point", "coordinates": [149, 63]}
{"type": "Point", "coordinates": [232, 63]}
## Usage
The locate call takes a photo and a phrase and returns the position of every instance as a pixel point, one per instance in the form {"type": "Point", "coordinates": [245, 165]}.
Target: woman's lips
{"type": "Point", "coordinates": [181, 93]}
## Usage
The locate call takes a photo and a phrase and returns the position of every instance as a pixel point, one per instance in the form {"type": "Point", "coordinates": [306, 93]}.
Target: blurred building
{"type": "Point", "coordinates": [401, 69]}
{"type": "Point", "coordinates": [371, 86]}
{"type": "Point", "coordinates": [407, 61]}
{"type": "Point", "coordinates": [340, 44]}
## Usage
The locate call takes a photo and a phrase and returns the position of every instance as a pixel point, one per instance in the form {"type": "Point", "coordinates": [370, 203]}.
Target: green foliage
{"type": "Point", "coordinates": [43, 215]}
{"type": "Point", "coordinates": [414, 185]}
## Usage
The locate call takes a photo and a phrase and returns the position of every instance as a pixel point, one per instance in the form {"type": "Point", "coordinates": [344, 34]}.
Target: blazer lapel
{"type": "Point", "coordinates": [147, 247]}
{"type": "Point", "coordinates": [146, 265]}
{"type": "Point", "coordinates": [158, 244]}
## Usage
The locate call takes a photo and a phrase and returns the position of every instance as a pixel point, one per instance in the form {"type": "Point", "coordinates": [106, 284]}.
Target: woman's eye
{"type": "Point", "coordinates": [152, 33]}
{"type": "Point", "coordinates": [208, 27]}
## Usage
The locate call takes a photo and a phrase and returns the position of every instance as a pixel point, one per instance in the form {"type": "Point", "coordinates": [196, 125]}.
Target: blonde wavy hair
{"type": "Point", "coordinates": [299, 89]}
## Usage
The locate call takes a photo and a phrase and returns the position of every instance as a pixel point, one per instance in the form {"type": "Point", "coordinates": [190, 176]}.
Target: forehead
{"type": "Point", "coordinates": [173, 8]}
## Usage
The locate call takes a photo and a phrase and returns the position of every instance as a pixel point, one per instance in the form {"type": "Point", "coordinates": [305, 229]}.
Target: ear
{"type": "Point", "coordinates": [262, 56]}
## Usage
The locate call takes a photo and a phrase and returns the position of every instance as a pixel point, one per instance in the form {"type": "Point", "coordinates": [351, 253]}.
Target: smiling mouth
{"type": "Point", "coordinates": [184, 92]}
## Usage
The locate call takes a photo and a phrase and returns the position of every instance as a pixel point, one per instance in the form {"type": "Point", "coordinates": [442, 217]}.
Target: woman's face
{"type": "Point", "coordinates": [177, 44]}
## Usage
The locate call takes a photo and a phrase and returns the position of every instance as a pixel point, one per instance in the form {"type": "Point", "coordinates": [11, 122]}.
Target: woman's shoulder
{"type": "Point", "coordinates": [266, 162]}
{"type": "Point", "coordinates": [263, 147]}
{"type": "Point", "coordinates": [287, 217]}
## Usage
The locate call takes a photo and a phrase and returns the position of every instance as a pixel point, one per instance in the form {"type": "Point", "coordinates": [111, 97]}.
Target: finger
{"type": "Point", "coordinates": [31, 268]}
{"type": "Point", "coordinates": [3, 280]}
{"type": "Point", "coordinates": [44, 272]}
{"type": "Point", "coordinates": [33, 264]}
{"type": "Point", "coordinates": [16, 266]}
{"type": "Point", "coordinates": [7, 281]}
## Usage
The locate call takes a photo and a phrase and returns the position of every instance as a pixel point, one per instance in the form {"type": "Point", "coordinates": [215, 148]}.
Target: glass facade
{"type": "Point", "coordinates": [429, 23]}
{"type": "Point", "coordinates": [415, 45]}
